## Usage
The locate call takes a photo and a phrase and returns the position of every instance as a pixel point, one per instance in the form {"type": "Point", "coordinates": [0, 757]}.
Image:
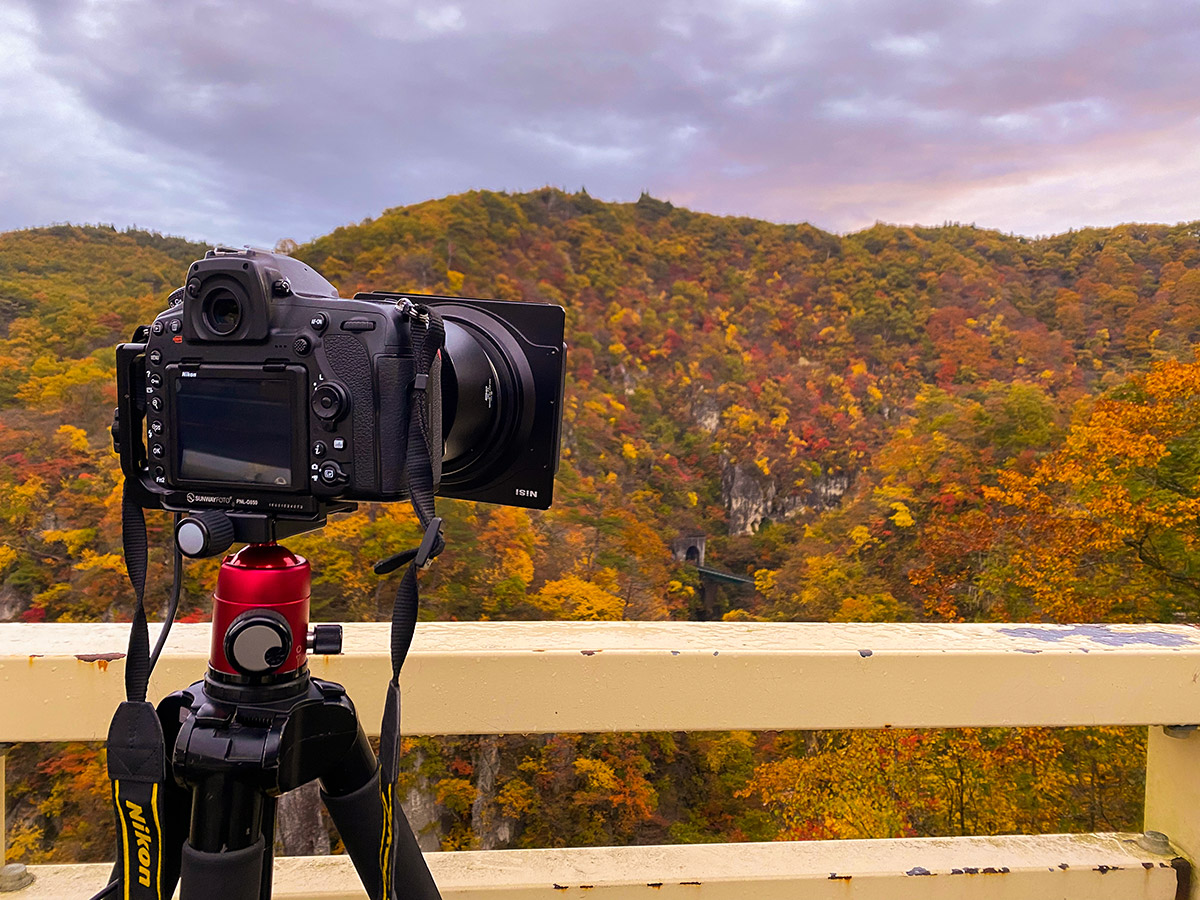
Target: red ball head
{"type": "Point", "coordinates": [266, 578]}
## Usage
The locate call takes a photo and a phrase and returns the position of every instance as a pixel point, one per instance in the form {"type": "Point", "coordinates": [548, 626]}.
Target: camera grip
{"type": "Point", "coordinates": [395, 374]}
{"type": "Point", "coordinates": [351, 363]}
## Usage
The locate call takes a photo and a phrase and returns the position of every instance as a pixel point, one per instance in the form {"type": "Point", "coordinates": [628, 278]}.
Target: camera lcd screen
{"type": "Point", "coordinates": [234, 430]}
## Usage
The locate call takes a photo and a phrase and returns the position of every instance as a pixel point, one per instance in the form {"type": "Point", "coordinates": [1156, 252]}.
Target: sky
{"type": "Point", "coordinates": [249, 122]}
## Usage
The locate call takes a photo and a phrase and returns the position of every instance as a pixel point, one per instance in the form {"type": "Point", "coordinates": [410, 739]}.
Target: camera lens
{"type": "Point", "coordinates": [222, 310]}
{"type": "Point", "coordinates": [471, 396]}
{"type": "Point", "coordinates": [487, 397]}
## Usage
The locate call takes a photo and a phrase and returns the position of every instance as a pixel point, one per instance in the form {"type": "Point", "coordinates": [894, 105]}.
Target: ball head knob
{"type": "Point", "coordinates": [325, 640]}
{"type": "Point", "coordinates": [205, 533]}
{"type": "Point", "coordinates": [258, 642]}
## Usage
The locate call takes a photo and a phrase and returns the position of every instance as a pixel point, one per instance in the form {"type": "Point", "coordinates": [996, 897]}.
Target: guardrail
{"type": "Point", "coordinates": [61, 682]}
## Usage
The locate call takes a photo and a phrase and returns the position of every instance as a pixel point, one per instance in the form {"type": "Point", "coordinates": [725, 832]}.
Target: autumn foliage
{"type": "Point", "coordinates": [900, 424]}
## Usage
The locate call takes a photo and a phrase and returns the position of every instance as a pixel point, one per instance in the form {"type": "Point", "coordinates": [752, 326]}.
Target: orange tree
{"type": "Point", "coordinates": [1106, 526]}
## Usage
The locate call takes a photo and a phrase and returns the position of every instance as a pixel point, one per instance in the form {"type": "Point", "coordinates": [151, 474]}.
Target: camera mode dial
{"type": "Point", "coordinates": [330, 402]}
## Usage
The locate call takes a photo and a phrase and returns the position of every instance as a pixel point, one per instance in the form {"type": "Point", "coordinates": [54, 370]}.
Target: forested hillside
{"type": "Point", "coordinates": [898, 424]}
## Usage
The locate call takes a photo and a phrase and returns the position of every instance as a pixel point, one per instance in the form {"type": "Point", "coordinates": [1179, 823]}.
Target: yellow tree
{"type": "Point", "coordinates": [1106, 526]}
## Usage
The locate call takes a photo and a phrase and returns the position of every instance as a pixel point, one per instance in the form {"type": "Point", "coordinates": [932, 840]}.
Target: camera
{"type": "Point", "coordinates": [255, 405]}
{"type": "Point", "coordinates": [261, 393]}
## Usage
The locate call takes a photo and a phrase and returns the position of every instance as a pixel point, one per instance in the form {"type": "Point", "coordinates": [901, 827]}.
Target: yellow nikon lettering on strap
{"type": "Point", "coordinates": [147, 846]}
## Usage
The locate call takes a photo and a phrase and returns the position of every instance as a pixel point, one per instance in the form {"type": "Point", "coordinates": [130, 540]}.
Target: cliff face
{"type": "Point", "coordinates": [752, 498]}
{"type": "Point", "coordinates": [748, 498]}
{"type": "Point", "coordinates": [422, 809]}
{"type": "Point", "coordinates": [492, 829]}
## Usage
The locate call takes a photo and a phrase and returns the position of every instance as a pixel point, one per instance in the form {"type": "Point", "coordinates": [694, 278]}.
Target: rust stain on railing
{"type": "Point", "coordinates": [101, 659]}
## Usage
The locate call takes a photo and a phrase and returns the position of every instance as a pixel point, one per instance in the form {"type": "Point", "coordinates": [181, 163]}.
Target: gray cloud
{"type": "Point", "coordinates": [250, 122]}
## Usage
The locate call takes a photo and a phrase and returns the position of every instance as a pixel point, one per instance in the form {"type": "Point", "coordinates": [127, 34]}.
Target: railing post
{"type": "Point", "coordinates": [12, 877]}
{"type": "Point", "coordinates": [1173, 791]}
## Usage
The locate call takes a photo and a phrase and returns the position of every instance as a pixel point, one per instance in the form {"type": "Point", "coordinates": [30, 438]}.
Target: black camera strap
{"type": "Point", "coordinates": [428, 336]}
{"type": "Point", "coordinates": [137, 759]}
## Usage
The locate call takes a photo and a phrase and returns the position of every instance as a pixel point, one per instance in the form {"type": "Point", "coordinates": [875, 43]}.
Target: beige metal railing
{"type": "Point", "coordinates": [61, 682]}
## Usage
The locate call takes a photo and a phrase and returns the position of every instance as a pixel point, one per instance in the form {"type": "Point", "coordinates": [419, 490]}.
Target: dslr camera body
{"type": "Point", "coordinates": [261, 393]}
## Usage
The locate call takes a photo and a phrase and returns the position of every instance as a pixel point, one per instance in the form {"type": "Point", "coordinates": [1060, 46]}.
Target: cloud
{"type": "Point", "coordinates": [250, 122]}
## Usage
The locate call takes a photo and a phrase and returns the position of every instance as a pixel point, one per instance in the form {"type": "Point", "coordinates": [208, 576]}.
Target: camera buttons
{"type": "Point", "coordinates": [358, 325]}
{"type": "Point", "coordinates": [156, 356]}
{"type": "Point", "coordinates": [318, 450]}
{"type": "Point", "coordinates": [331, 473]}
{"type": "Point", "coordinates": [157, 327]}
{"type": "Point", "coordinates": [155, 379]}
{"type": "Point", "coordinates": [158, 451]}
{"type": "Point", "coordinates": [156, 404]}
{"type": "Point", "coordinates": [339, 443]}
{"type": "Point", "coordinates": [301, 346]}
{"type": "Point", "coordinates": [175, 326]}
{"type": "Point", "coordinates": [319, 322]}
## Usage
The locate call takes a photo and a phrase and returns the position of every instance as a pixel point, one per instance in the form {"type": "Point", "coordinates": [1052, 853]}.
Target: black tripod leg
{"type": "Point", "coordinates": [227, 875]}
{"type": "Point", "coordinates": [268, 833]}
{"type": "Point", "coordinates": [413, 878]}
{"type": "Point", "coordinates": [350, 791]}
{"type": "Point", "coordinates": [178, 806]}
{"type": "Point", "coordinates": [175, 832]}
{"type": "Point", "coordinates": [358, 817]}
{"type": "Point", "coordinates": [228, 849]}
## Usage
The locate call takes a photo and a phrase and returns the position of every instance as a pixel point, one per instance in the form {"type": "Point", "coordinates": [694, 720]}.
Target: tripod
{"type": "Point", "coordinates": [258, 725]}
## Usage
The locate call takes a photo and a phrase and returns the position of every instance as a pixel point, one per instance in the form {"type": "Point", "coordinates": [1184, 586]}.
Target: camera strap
{"type": "Point", "coordinates": [428, 335]}
{"type": "Point", "coordinates": [137, 759]}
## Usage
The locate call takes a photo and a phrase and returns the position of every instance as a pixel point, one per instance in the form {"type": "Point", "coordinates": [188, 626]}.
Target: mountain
{"type": "Point", "coordinates": [897, 424]}
{"type": "Point", "coordinates": [754, 382]}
